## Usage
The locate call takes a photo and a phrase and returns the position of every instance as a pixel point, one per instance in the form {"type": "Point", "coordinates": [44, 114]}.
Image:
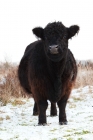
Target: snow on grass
{"type": "Point", "coordinates": [18, 123]}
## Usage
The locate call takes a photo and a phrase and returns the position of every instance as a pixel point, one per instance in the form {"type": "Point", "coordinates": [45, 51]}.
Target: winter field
{"type": "Point", "coordinates": [18, 123]}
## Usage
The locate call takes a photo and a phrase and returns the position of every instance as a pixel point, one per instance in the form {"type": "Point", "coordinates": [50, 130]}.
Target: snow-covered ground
{"type": "Point", "coordinates": [17, 122]}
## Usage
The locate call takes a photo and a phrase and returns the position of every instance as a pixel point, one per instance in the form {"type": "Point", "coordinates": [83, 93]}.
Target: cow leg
{"type": "Point", "coordinates": [42, 106]}
{"type": "Point", "coordinates": [53, 111]}
{"type": "Point", "coordinates": [35, 109]}
{"type": "Point", "coordinates": [62, 114]}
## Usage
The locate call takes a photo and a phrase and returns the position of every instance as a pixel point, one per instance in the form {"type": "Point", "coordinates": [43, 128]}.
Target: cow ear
{"type": "Point", "coordinates": [39, 32]}
{"type": "Point", "coordinates": [72, 30]}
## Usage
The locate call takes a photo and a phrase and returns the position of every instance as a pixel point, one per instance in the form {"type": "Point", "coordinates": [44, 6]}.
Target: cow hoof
{"type": "Point", "coordinates": [53, 115]}
{"type": "Point", "coordinates": [63, 123]}
{"type": "Point", "coordinates": [42, 124]}
{"type": "Point", "coordinates": [35, 113]}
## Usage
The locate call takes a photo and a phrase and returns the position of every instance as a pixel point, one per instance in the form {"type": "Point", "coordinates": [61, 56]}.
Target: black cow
{"type": "Point", "coordinates": [48, 69]}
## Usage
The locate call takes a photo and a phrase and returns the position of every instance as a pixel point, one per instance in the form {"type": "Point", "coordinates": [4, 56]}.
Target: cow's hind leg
{"type": "Point", "coordinates": [42, 106]}
{"type": "Point", "coordinates": [35, 109]}
{"type": "Point", "coordinates": [53, 110]}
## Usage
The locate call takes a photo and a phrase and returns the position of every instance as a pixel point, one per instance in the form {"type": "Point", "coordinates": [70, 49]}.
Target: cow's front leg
{"type": "Point", "coordinates": [42, 106]}
{"type": "Point", "coordinates": [62, 114]}
{"type": "Point", "coordinates": [53, 110]}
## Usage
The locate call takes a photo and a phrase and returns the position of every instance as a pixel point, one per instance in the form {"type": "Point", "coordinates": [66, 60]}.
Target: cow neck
{"type": "Point", "coordinates": [56, 69]}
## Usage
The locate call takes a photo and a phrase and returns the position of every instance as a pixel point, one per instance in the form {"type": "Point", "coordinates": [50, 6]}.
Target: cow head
{"type": "Point", "coordinates": [55, 36]}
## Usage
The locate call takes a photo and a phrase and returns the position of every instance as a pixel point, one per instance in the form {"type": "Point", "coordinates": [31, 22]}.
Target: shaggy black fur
{"type": "Point", "coordinates": [48, 69]}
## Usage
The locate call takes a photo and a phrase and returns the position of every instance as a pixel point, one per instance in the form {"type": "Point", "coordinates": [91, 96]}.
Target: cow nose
{"type": "Point", "coordinates": [53, 49]}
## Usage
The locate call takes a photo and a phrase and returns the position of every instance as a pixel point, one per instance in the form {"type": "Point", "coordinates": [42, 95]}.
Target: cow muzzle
{"type": "Point", "coordinates": [53, 49]}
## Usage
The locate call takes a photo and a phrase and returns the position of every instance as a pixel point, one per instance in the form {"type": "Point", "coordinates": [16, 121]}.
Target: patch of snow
{"type": "Point", "coordinates": [18, 123]}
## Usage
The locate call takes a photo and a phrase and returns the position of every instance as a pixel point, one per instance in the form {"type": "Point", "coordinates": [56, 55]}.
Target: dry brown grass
{"type": "Point", "coordinates": [85, 75]}
{"type": "Point", "coordinates": [11, 87]}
